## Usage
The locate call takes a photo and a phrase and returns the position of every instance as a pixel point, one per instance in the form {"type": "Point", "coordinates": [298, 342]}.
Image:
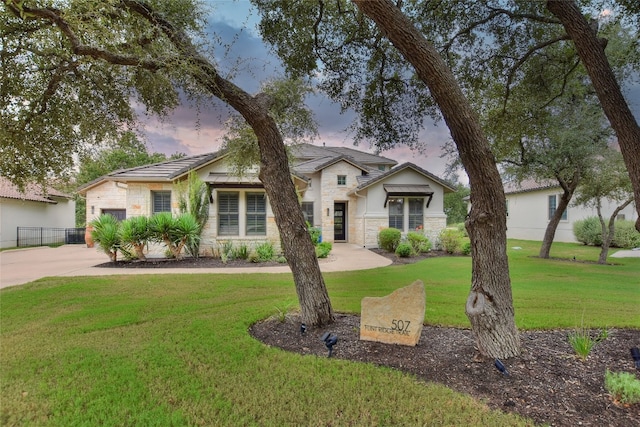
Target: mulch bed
{"type": "Point", "coordinates": [547, 383]}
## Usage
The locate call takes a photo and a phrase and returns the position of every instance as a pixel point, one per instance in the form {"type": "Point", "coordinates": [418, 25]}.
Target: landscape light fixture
{"type": "Point", "coordinates": [635, 353]}
{"type": "Point", "coordinates": [329, 340]}
{"type": "Point", "coordinates": [500, 367]}
{"type": "Point", "coordinates": [303, 328]}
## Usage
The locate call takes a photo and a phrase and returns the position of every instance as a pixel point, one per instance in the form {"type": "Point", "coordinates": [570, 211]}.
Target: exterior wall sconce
{"type": "Point", "coordinates": [93, 210]}
{"type": "Point", "coordinates": [327, 211]}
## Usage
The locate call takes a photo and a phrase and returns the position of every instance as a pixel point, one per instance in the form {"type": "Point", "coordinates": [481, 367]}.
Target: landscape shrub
{"type": "Point", "coordinates": [323, 249]}
{"type": "Point", "coordinates": [404, 250]}
{"type": "Point", "coordinates": [315, 233]}
{"type": "Point", "coordinates": [623, 387]}
{"type": "Point", "coordinates": [265, 251]}
{"type": "Point", "coordinates": [241, 252]}
{"type": "Point", "coordinates": [106, 233]}
{"type": "Point", "coordinates": [462, 229]}
{"type": "Point", "coordinates": [419, 242]}
{"type": "Point", "coordinates": [466, 248]}
{"type": "Point", "coordinates": [450, 240]}
{"type": "Point", "coordinates": [625, 235]}
{"type": "Point", "coordinates": [134, 234]}
{"type": "Point", "coordinates": [588, 231]}
{"type": "Point", "coordinates": [389, 239]}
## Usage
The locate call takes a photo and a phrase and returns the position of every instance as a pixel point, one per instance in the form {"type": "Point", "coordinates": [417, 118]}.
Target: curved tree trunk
{"type": "Point", "coordinates": [490, 305]}
{"type": "Point", "coordinates": [591, 52]}
{"type": "Point", "coordinates": [550, 232]}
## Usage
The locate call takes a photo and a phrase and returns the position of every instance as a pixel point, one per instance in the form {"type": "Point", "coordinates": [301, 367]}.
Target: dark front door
{"type": "Point", "coordinates": [339, 221]}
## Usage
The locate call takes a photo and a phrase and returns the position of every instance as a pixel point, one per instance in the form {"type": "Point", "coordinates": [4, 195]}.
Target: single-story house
{"type": "Point", "coordinates": [349, 194]}
{"type": "Point", "coordinates": [37, 207]}
{"type": "Point", "coordinates": [530, 206]}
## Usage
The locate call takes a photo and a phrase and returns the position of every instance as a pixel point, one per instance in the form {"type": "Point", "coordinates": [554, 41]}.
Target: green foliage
{"type": "Point", "coordinates": [389, 239]}
{"type": "Point", "coordinates": [194, 199]}
{"type": "Point", "coordinates": [175, 233]}
{"type": "Point", "coordinates": [134, 234]}
{"type": "Point", "coordinates": [466, 248]}
{"type": "Point", "coordinates": [582, 341]}
{"type": "Point", "coordinates": [625, 235]}
{"type": "Point", "coordinates": [323, 249]}
{"type": "Point", "coordinates": [450, 240]}
{"type": "Point", "coordinates": [241, 251]}
{"type": "Point", "coordinates": [588, 231]}
{"type": "Point", "coordinates": [418, 241]}
{"type": "Point", "coordinates": [106, 233]}
{"type": "Point", "coordinates": [404, 250]}
{"type": "Point", "coordinates": [623, 387]}
{"type": "Point", "coordinates": [56, 103]}
{"type": "Point", "coordinates": [265, 251]}
{"type": "Point", "coordinates": [455, 207]}
{"type": "Point", "coordinates": [315, 233]}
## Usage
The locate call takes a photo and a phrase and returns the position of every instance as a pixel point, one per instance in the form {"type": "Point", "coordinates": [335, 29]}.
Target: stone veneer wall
{"type": "Point", "coordinates": [331, 192]}
{"type": "Point", "coordinates": [372, 226]}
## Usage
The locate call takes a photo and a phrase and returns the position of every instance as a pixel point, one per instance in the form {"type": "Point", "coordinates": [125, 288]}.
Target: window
{"type": "Point", "coordinates": [119, 214]}
{"type": "Point", "coordinates": [342, 179]}
{"type": "Point", "coordinates": [416, 214]}
{"type": "Point", "coordinates": [553, 205]}
{"type": "Point", "coordinates": [256, 214]}
{"type": "Point", "coordinates": [228, 224]}
{"type": "Point", "coordinates": [381, 168]}
{"type": "Point", "coordinates": [161, 201]}
{"type": "Point", "coordinates": [307, 211]}
{"type": "Point", "coordinates": [396, 213]}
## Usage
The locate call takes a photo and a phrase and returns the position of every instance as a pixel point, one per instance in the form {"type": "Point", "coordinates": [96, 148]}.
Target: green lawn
{"type": "Point", "coordinates": [174, 350]}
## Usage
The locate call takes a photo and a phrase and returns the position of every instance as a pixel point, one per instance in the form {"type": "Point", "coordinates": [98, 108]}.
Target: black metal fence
{"type": "Point", "coordinates": [46, 236]}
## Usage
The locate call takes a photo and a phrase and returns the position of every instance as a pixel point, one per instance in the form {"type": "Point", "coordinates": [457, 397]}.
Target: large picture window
{"type": "Point", "coordinates": [553, 206]}
{"type": "Point", "coordinates": [228, 220]}
{"type": "Point", "coordinates": [161, 201]}
{"type": "Point", "coordinates": [396, 213]}
{"type": "Point", "coordinates": [256, 214]}
{"type": "Point", "coordinates": [416, 214]}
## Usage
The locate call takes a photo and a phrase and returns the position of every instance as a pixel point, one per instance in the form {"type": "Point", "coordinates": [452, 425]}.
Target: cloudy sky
{"type": "Point", "coordinates": [193, 131]}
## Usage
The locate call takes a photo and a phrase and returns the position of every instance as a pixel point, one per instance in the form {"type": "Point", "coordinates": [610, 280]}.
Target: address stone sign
{"type": "Point", "coordinates": [396, 318]}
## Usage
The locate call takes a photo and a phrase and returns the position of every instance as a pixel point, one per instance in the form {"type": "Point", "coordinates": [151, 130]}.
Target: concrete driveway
{"type": "Point", "coordinates": [22, 266]}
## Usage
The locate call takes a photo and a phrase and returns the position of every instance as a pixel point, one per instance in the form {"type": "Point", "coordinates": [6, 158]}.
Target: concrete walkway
{"type": "Point", "coordinates": [22, 266]}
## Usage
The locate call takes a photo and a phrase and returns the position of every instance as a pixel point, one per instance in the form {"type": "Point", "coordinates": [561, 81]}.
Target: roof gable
{"type": "Point", "coordinates": [379, 178]}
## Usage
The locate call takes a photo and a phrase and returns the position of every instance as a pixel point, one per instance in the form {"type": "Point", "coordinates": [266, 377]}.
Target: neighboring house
{"type": "Point", "coordinates": [35, 207]}
{"type": "Point", "coordinates": [351, 195]}
{"type": "Point", "coordinates": [530, 206]}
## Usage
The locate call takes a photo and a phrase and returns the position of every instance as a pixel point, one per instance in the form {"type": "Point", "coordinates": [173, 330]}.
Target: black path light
{"type": "Point", "coordinates": [635, 353]}
{"type": "Point", "coordinates": [500, 367]}
{"type": "Point", "coordinates": [329, 340]}
{"type": "Point", "coordinates": [303, 328]}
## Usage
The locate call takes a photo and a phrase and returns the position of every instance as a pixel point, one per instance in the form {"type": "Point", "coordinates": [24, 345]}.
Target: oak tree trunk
{"type": "Point", "coordinates": [550, 232]}
{"type": "Point", "coordinates": [490, 305]}
{"type": "Point", "coordinates": [615, 107]}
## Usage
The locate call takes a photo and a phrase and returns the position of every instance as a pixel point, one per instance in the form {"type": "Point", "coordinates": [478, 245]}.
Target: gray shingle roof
{"type": "Point", "coordinates": [310, 159]}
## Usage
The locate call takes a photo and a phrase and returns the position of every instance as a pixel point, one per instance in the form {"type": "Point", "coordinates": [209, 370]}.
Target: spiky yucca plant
{"type": "Point", "coordinates": [107, 235]}
{"type": "Point", "coordinates": [135, 233]}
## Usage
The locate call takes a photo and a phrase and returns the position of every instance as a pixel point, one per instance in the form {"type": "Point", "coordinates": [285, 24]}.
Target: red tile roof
{"type": "Point", "coordinates": [32, 192]}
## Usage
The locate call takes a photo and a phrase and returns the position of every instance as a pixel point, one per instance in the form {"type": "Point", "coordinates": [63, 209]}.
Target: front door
{"type": "Point", "coordinates": [339, 221]}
